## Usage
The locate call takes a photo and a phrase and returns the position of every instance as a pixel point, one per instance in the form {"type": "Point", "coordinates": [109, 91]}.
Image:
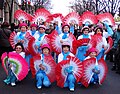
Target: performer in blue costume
{"type": "Point", "coordinates": [21, 38]}
{"type": "Point", "coordinates": [66, 30]}
{"type": "Point", "coordinates": [92, 53]}
{"type": "Point", "coordinates": [81, 51]}
{"type": "Point", "coordinates": [70, 81]}
{"type": "Point", "coordinates": [33, 29]}
{"type": "Point", "coordinates": [39, 37]}
{"type": "Point", "coordinates": [11, 78]}
{"type": "Point", "coordinates": [99, 32]}
{"type": "Point", "coordinates": [41, 77]}
{"type": "Point", "coordinates": [22, 33]}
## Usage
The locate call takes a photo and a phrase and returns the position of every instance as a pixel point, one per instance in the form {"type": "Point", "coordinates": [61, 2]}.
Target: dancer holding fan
{"type": "Point", "coordinates": [66, 36]}
{"type": "Point", "coordinates": [69, 68]}
{"type": "Point", "coordinates": [94, 70]}
{"type": "Point", "coordinates": [33, 29]}
{"type": "Point", "coordinates": [40, 35]}
{"type": "Point", "coordinates": [81, 51]}
{"type": "Point", "coordinates": [99, 42]}
{"type": "Point", "coordinates": [43, 67]}
{"type": "Point", "coordinates": [15, 65]}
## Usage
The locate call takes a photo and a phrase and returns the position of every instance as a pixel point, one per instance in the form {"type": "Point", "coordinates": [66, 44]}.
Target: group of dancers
{"type": "Point", "coordinates": [58, 56]}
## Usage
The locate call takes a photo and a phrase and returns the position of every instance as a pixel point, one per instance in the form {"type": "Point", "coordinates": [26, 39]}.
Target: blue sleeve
{"type": "Point", "coordinates": [38, 43]}
{"type": "Point", "coordinates": [101, 54]}
{"type": "Point", "coordinates": [109, 29]}
{"type": "Point", "coordinates": [85, 47]}
{"type": "Point", "coordinates": [72, 29]}
{"type": "Point", "coordinates": [80, 48]}
{"type": "Point", "coordinates": [57, 28]}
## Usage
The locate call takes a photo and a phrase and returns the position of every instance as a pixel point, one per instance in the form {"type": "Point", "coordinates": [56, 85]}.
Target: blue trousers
{"type": "Point", "coordinates": [95, 78]}
{"type": "Point", "coordinates": [27, 58]}
{"type": "Point", "coordinates": [70, 81]}
{"type": "Point", "coordinates": [42, 79]}
{"type": "Point", "coordinates": [11, 78]}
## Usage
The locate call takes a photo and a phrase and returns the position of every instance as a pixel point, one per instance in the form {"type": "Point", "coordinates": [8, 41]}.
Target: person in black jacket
{"type": "Point", "coordinates": [4, 38]}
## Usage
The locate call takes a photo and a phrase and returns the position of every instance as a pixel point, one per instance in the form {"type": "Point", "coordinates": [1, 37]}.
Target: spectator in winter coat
{"type": "Point", "coordinates": [4, 38]}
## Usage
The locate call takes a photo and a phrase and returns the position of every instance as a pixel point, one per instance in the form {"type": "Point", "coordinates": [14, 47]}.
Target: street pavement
{"type": "Point", "coordinates": [27, 86]}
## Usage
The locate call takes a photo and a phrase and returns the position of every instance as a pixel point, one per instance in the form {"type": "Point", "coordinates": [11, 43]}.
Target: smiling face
{"type": "Point", "coordinates": [86, 31]}
{"type": "Point", "coordinates": [45, 51]}
{"type": "Point", "coordinates": [66, 29]}
{"type": "Point", "coordinates": [23, 29]}
{"type": "Point", "coordinates": [41, 30]}
{"type": "Point", "coordinates": [18, 49]}
{"type": "Point", "coordinates": [66, 49]}
{"type": "Point", "coordinates": [99, 31]}
{"type": "Point", "coordinates": [93, 54]}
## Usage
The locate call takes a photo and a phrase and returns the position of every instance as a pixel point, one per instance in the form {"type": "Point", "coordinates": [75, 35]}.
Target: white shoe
{"type": "Point", "coordinates": [39, 87]}
{"type": "Point", "coordinates": [71, 89]}
{"type": "Point", "coordinates": [13, 84]}
{"type": "Point", "coordinates": [94, 83]}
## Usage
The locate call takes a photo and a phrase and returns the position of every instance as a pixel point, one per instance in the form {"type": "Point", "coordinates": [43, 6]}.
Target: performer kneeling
{"type": "Point", "coordinates": [15, 61]}
{"type": "Point", "coordinates": [44, 66]}
{"type": "Point", "coordinates": [94, 70]}
{"type": "Point", "coordinates": [67, 68]}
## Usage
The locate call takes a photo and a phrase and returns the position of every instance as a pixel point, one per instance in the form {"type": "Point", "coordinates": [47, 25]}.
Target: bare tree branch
{"type": "Point", "coordinates": [97, 6]}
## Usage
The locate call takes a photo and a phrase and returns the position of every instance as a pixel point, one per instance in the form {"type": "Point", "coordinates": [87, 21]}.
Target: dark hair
{"type": "Point", "coordinates": [12, 26]}
{"type": "Point", "coordinates": [118, 28]}
{"type": "Point", "coordinates": [47, 48]}
{"type": "Point", "coordinates": [84, 29]}
{"type": "Point", "coordinates": [97, 29]}
{"type": "Point", "coordinates": [118, 25]}
{"type": "Point", "coordinates": [19, 44]}
{"type": "Point", "coordinates": [5, 24]}
{"type": "Point", "coordinates": [65, 46]}
{"type": "Point", "coordinates": [91, 25]}
{"type": "Point", "coordinates": [67, 26]}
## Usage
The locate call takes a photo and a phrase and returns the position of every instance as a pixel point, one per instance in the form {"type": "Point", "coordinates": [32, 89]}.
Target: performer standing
{"type": "Point", "coordinates": [81, 51]}
{"type": "Point", "coordinates": [39, 36]}
{"type": "Point", "coordinates": [33, 30]}
{"type": "Point", "coordinates": [101, 43]}
{"type": "Point", "coordinates": [66, 30]}
{"type": "Point", "coordinates": [66, 36]}
{"type": "Point", "coordinates": [22, 33]}
{"type": "Point", "coordinates": [22, 37]}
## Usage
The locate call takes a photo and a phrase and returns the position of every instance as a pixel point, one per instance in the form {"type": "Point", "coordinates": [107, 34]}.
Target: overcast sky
{"type": "Point", "coordinates": [61, 6]}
